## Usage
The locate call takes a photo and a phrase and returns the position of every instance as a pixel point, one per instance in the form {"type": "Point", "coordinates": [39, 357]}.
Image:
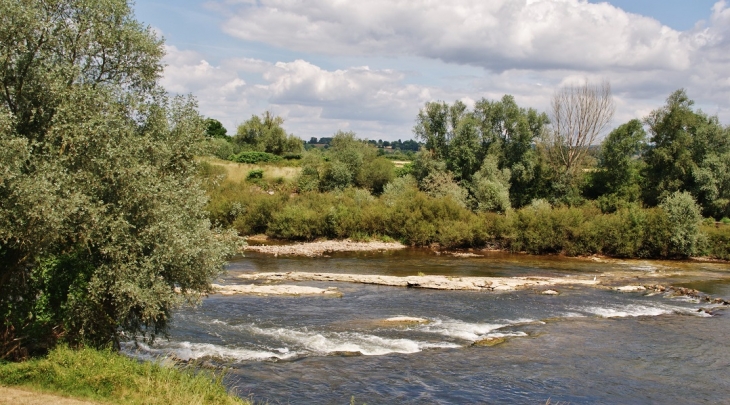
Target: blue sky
{"type": "Point", "coordinates": [326, 65]}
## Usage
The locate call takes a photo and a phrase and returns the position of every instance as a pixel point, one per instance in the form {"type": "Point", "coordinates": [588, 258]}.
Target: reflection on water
{"type": "Point", "coordinates": [584, 346]}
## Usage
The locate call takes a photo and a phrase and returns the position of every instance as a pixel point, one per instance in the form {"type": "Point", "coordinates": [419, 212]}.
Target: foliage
{"type": "Point", "coordinates": [443, 185]}
{"type": "Point", "coordinates": [255, 174]}
{"type": "Point", "coordinates": [490, 187]}
{"type": "Point", "coordinates": [405, 170]}
{"type": "Point", "coordinates": [254, 157]}
{"type": "Point", "coordinates": [265, 134]}
{"type": "Point", "coordinates": [495, 158]}
{"type": "Point", "coordinates": [405, 213]}
{"type": "Point", "coordinates": [618, 176]}
{"type": "Point", "coordinates": [376, 174]}
{"type": "Point", "coordinates": [718, 241]}
{"type": "Point", "coordinates": [684, 217]}
{"type": "Point", "coordinates": [101, 212]}
{"type": "Point", "coordinates": [458, 141]}
{"type": "Point", "coordinates": [102, 375]}
{"type": "Point", "coordinates": [348, 162]}
{"type": "Point", "coordinates": [509, 132]}
{"type": "Point", "coordinates": [220, 148]}
{"type": "Point", "coordinates": [691, 152]}
{"type": "Point", "coordinates": [214, 129]}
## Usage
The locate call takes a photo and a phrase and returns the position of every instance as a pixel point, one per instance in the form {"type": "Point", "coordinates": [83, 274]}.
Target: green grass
{"type": "Point", "coordinates": [106, 376]}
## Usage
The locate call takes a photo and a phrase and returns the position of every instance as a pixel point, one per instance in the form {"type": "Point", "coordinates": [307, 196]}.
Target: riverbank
{"type": "Point", "coordinates": [26, 396]}
{"type": "Point", "coordinates": [87, 376]}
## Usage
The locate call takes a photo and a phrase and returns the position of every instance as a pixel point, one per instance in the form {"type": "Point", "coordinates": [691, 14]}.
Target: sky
{"type": "Point", "coordinates": [369, 66]}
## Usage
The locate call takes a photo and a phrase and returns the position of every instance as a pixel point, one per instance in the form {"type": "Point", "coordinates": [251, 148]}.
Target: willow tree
{"type": "Point", "coordinates": [102, 227]}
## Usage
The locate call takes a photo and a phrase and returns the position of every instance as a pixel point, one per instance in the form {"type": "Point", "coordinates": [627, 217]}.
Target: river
{"type": "Point", "coordinates": [585, 346]}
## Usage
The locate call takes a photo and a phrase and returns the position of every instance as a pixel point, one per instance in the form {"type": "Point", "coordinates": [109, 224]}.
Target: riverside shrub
{"type": "Point", "coordinates": [684, 218]}
{"type": "Point", "coordinates": [404, 213]}
{"type": "Point", "coordinates": [718, 241]}
{"type": "Point", "coordinates": [255, 157]}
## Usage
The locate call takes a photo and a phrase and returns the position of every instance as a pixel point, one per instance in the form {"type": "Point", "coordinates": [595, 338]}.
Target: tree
{"type": "Point", "coordinates": [618, 176]}
{"type": "Point", "coordinates": [689, 151]}
{"type": "Point", "coordinates": [214, 129]}
{"type": "Point", "coordinates": [509, 133]}
{"type": "Point", "coordinates": [578, 116]}
{"type": "Point", "coordinates": [265, 134]}
{"type": "Point", "coordinates": [433, 128]}
{"type": "Point", "coordinates": [490, 187]}
{"type": "Point", "coordinates": [102, 222]}
{"type": "Point", "coordinates": [460, 140]}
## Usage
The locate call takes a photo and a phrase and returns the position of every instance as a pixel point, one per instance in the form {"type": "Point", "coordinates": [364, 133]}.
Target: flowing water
{"type": "Point", "coordinates": [586, 345]}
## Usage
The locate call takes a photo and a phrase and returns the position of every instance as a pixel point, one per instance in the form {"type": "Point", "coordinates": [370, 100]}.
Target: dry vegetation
{"type": "Point", "coordinates": [237, 172]}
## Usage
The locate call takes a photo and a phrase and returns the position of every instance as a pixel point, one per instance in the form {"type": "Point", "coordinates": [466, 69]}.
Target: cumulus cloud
{"type": "Point", "coordinates": [308, 96]}
{"type": "Point", "coordinates": [526, 48]}
{"type": "Point", "coordinates": [497, 34]}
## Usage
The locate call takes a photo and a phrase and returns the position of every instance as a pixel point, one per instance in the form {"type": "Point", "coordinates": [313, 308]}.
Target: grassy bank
{"type": "Point", "coordinates": [105, 376]}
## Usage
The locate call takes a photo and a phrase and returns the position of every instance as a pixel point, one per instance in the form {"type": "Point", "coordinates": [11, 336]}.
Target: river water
{"type": "Point", "coordinates": [584, 346]}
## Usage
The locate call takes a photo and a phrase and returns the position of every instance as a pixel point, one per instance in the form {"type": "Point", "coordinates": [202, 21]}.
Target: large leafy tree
{"type": "Point", "coordinates": [617, 178]}
{"type": "Point", "coordinates": [689, 151]}
{"type": "Point", "coordinates": [102, 227]}
{"type": "Point", "coordinates": [509, 133]}
{"type": "Point", "coordinates": [265, 134]}
{"type": "Point", "coordinates": [462, 141]}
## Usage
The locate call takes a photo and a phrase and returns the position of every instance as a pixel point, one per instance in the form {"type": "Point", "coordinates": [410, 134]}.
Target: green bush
{"type": "Point", "coordinates": [718, 241]}
{"type": "Point", "coordinates": [255, 174]}
{"type": "Point", "coordinates": [220, 148]}
{"type": "Point", "coordinates": [534, 229]}
{"type": "Point", "coordinates": [254, 157]}
{"type": "Point", "coordinates": [305, 218]}
{"type": "Point", "coordinates": [622, 232]}
{"type": "Point", "coordinates": [656, 234]}
{"type": "Point", "coordinates": [684, 218]}
{"type": "Point", "coordinates": [404, 213]}
{"type": "Point", "coordinates": [336, 176]}
{"type": "Point", "coordinates": [406, 170]}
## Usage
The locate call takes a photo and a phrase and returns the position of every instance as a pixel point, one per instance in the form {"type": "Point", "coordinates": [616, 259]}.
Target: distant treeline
{"type": "Point", "coordinates": [408, 145]}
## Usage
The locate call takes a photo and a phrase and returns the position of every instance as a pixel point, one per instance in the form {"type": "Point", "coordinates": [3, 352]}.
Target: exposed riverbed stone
{"type": "Point", "coordinates": [630, 288]}
{"type": "Point", "coordinates": [490, 341]}
{"type": "Point", "coordinates": [405, 320]}
{"type": "Point", "coordinates": [319, 248]}
{"type": "Point", "coordinates": [280, 289]}
{"type": "Point", "coordinates": [550, 292]}
{"type": "Point", "coordinates": [431, 282]}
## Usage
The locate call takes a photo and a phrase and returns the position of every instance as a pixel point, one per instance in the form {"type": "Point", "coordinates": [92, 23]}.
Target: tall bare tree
{"type": "Point", "coordinates": [578, 116]}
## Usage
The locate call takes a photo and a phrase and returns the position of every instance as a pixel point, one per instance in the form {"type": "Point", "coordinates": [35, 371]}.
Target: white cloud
{"type": "Point", "coordinates": [527, 49]}
{"type": "Point", "coordinates": [497, 34]}
{"type": "Point", "coordinates": [308, 97]}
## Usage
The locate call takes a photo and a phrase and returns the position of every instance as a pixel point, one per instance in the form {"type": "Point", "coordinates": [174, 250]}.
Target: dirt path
{"type": "Point", "coordinates": [25, 396]}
